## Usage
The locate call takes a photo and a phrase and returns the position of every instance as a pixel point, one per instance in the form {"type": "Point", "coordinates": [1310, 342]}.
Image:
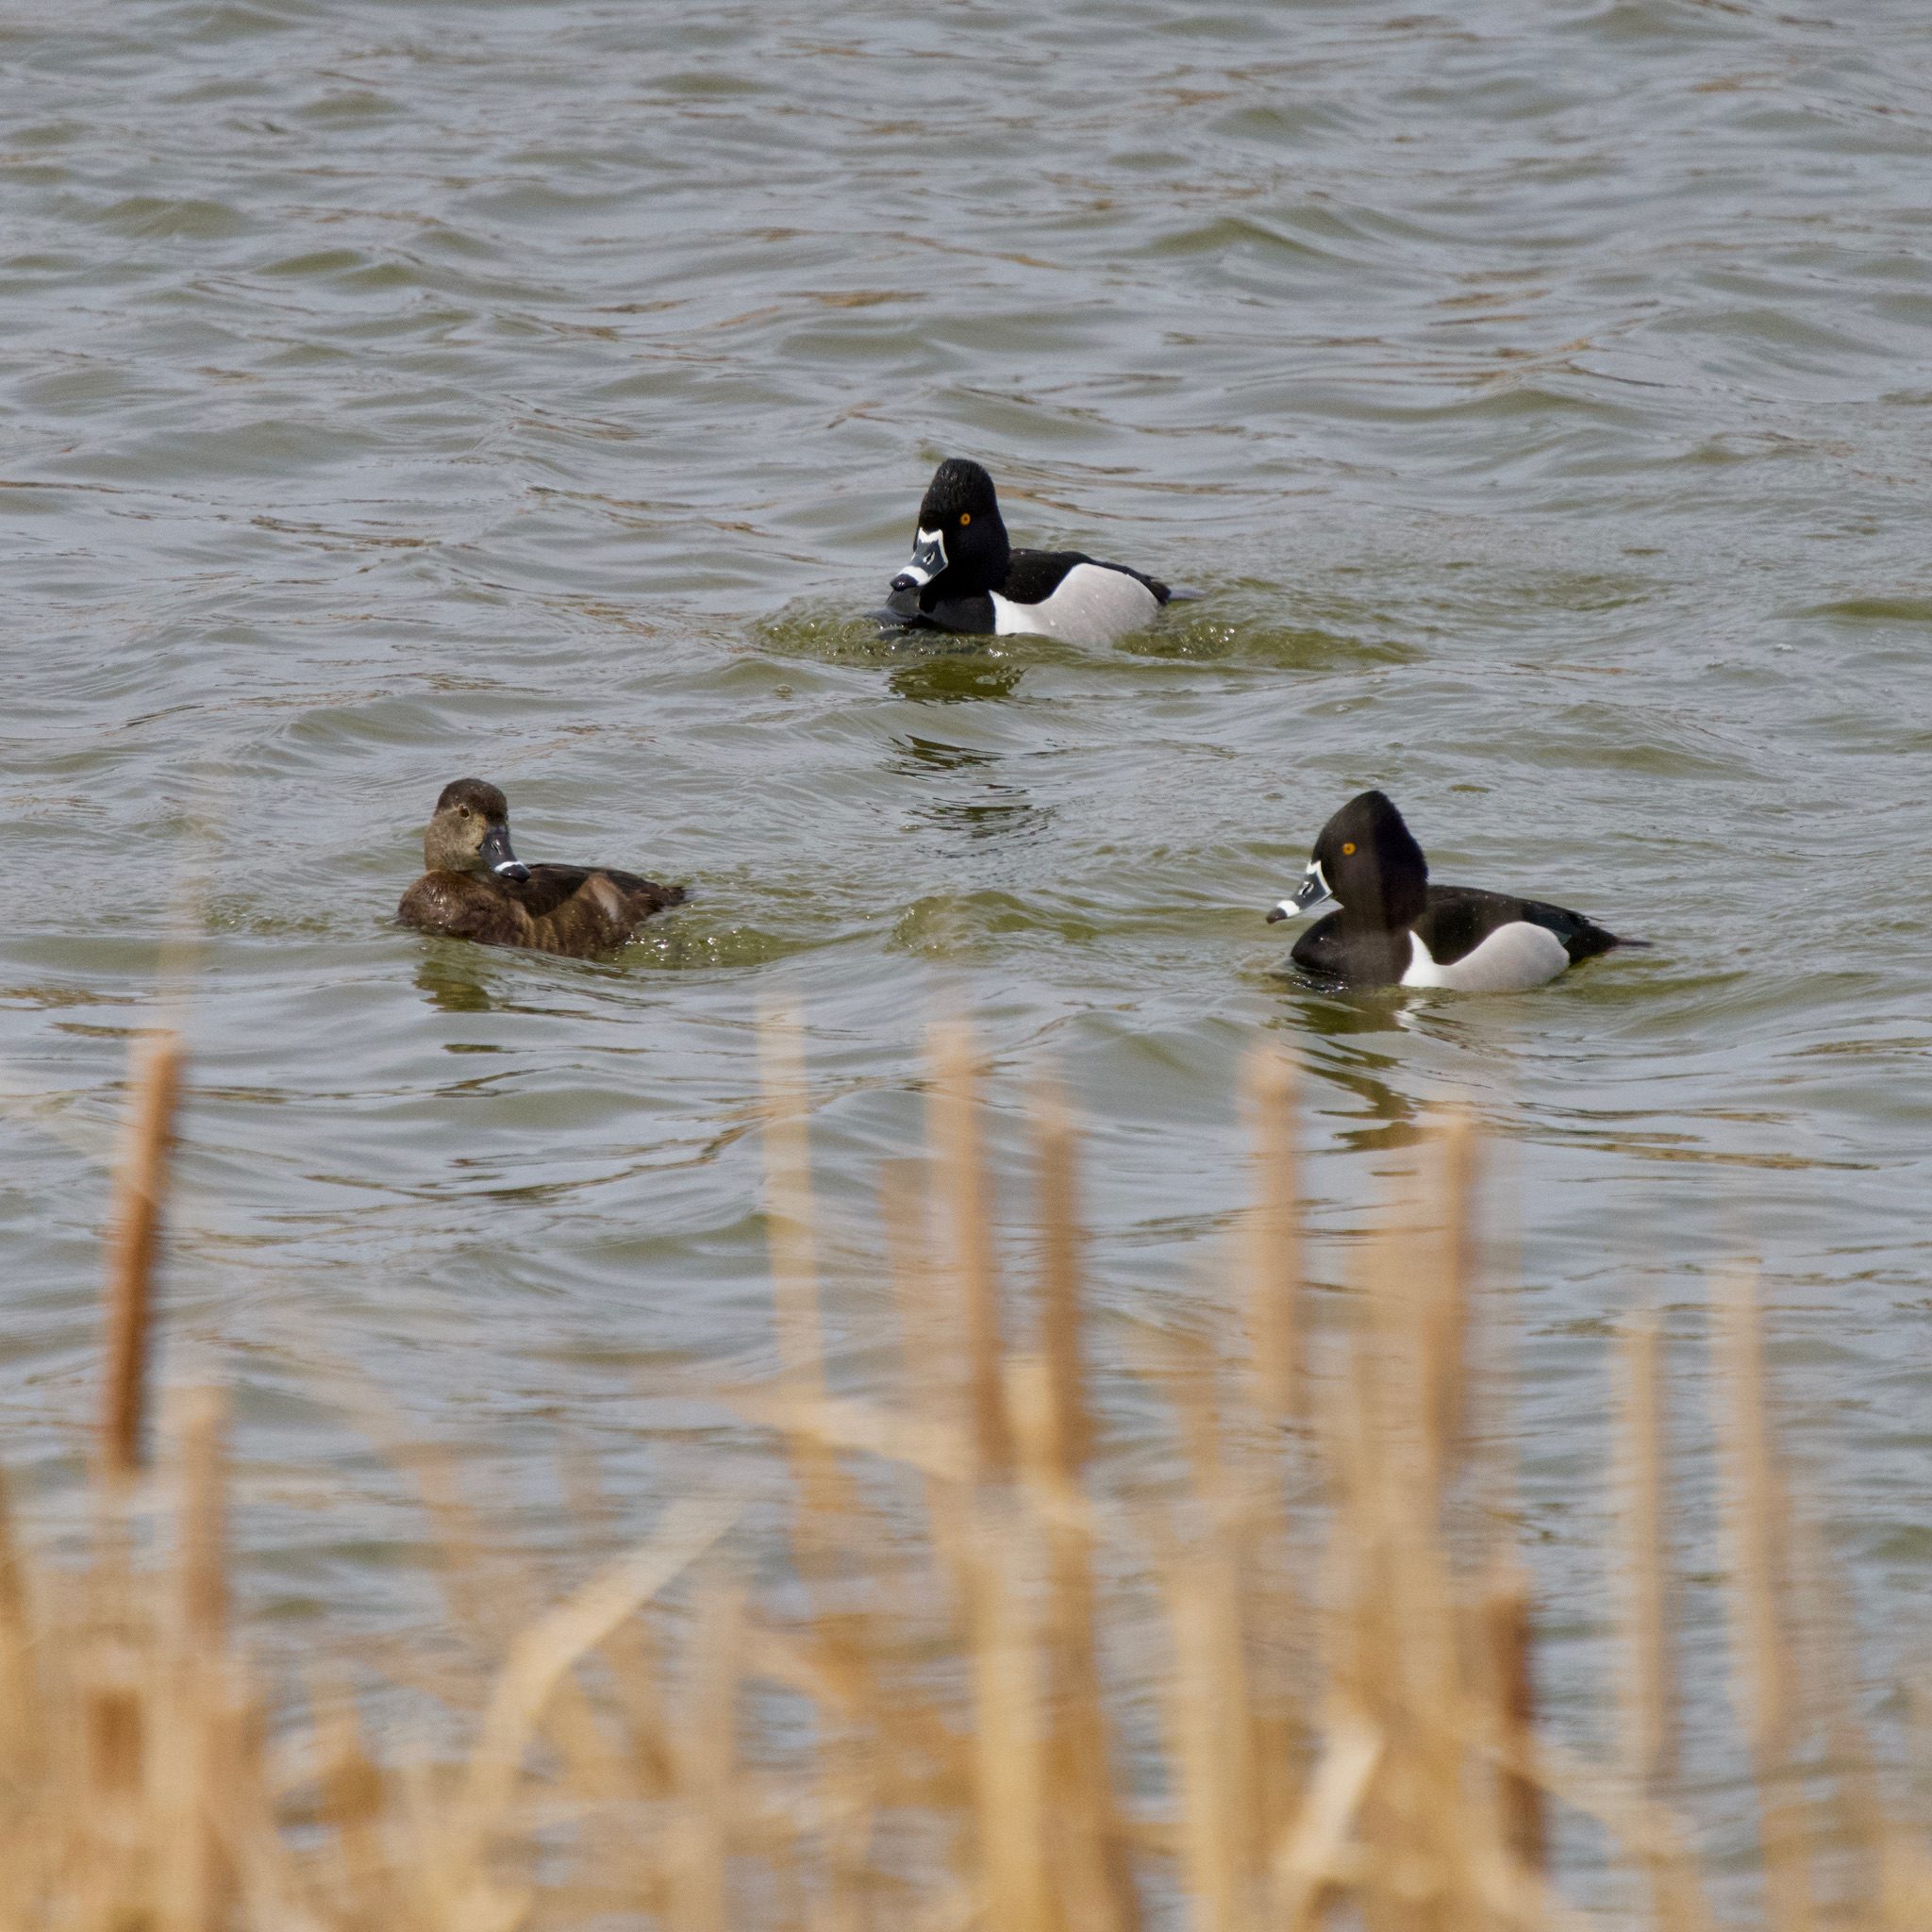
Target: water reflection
{"type": "Point", "coordinates": [918, 755]}
{"type": "Point", "coordinates": [1385, 1118]}
{"type": "Point", "coordinates": [448, 982]}
{"type": "Point", "coordinates": [998, 809]}
{"type": "Point", "coordinates": [988, 809]}
{"type": "Point", "coordinates": [954, 678]}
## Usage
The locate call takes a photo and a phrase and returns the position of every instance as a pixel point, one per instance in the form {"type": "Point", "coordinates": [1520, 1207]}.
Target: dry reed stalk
{"type": "Point", "coordinates": [1274, 1396]}
{"type": "Point", "coordinates": [1444, 1303]}
{"type": "Point", "coordinates": [1011, 1791]}
{"type": "Point", "coordinates": [544, 1655]}
{"type": "Point", "coordinates": [1204, 1565]}
{"type": "Point", "coordinates": [1855, 1819]}
{"type": "Point", "coordinates": [1648, 1682]}
{"type": "Point", "coordinates": [134, 1248]}
{"type": "Point", "coordinates": [967, 1189]}
{"type": "Point", "coordinates": [1274, 1245]}
{"type": "Point", "coordinates": [1650, 1676]}
{"type": "Point", "coordinates": [929, 1348]}
{"type": "Point", "coordinates": [821, 1523]}
{"type": "Point", "coordinates": [832, 1532]}
{"type": "Point", "coordinates": [1425, 1820]}
{"type": "Point", "coordinates": [791, 1233]}
{"type": "Point", "coordinates": [1766, 1659]}
{"type": "Point", "coordinates": [22, 1720]}
{"type": "Point", "coordinates": [707, 1806]}
{"type": "Point", "coordinates": [203, 1613]}
{"type": "Point", "coordinates": [1062, 1268]}
{"type": "Point", "coordinates": [633, 1655]}
{"type": "Point", "coordinates": [352, 1798]}
{"type": "Point", "coordinates": [1510, 1631]}
{"type": "Point", "coordinates": [193, 1777]}
{"type": "Point", "coordinates": [1091, 1853]}
{"type": "Point", "coordinates": [1310, 1860]}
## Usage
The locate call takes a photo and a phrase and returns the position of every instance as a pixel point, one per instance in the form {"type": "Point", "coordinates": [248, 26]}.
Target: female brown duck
{"type": "Point", "coordinates": [476, 887]}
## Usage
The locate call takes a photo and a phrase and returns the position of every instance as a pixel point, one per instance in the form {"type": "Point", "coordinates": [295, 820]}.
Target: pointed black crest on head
{"type": "Point", "coordinates": [477, 794]}
{"type": "Point", "coordinates": [1372, 863]}
{"type": "Point", "coordinates": [960, 487]}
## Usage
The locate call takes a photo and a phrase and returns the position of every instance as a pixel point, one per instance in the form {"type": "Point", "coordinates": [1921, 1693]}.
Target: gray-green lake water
{"type": "Point", "coordinates": [1541, 395]}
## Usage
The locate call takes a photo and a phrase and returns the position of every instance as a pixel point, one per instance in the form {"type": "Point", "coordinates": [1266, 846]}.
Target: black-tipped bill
{"type": "Point", "coordinates": [928, 559]}
{"type": "Point", "coordinates": [499, 858]}
{"type": "Point", "coordinates": [1312, 892]}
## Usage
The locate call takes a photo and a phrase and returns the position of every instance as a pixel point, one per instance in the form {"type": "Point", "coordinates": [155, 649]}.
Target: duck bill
{"type": "Point", "coordinates": [928, 559]}
{"type": "Point", "coordinates": [497, 855]}
{"type": "Point", "coordinates": [1309, 896]}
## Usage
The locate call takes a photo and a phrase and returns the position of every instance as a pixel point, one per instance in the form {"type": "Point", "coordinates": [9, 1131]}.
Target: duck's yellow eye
{"type": "Point", "coordinates": [965, 518]}
{"type": "Point", "coordinates": [1348, 848]}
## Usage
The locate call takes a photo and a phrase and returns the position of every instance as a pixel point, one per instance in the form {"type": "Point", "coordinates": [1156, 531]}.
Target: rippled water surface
{"type": "Point", "coordinates": [1541, 397]}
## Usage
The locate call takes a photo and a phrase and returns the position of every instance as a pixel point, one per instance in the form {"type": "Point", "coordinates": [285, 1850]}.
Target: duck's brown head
{"type": "Point", "coordinates": [471, 832]}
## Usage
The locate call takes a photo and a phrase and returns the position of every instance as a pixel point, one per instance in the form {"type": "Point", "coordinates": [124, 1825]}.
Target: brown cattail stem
{"type": "Point", "coordinates": [1510, 1633]}
{"type": "Point", "coordinates": [134, 1250]}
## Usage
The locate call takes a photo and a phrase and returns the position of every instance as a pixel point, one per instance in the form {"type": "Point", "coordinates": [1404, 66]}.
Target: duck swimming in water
{"type": "Point", "coordinates": [1396, 929]}
{"type": "Point", "coordinates": [475, 888]}
{"type": "Point", "coordinates": [965, 576]}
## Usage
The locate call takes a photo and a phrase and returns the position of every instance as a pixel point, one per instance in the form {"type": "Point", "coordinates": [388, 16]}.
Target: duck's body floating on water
{"type": "Point", "coordinates": [1396, 929]}
{"type": "Point", "coordinates": [965, 576]}
{"type": "Point", "coordinates": [475, 888]}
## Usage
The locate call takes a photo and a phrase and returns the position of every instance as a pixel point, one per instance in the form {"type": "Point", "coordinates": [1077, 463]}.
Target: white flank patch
{"type": "Point", "coordinates": [1511, 959]}
{"type": "Point", "coordinates": [1091, 605]}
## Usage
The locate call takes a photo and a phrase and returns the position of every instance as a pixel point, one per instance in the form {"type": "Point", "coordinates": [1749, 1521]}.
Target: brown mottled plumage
{"type": "Point", "coordinates": [475, 888]}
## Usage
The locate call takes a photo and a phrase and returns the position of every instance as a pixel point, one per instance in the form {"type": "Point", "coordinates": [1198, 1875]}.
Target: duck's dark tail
{"type": "Point", "coordinates": [1584, 939]}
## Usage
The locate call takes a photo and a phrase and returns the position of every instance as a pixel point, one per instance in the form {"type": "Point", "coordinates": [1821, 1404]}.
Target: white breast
{"type": "Point", "coordinates": [1509, 960]}
{"type": "Point", "coordinates": [1090, 604]}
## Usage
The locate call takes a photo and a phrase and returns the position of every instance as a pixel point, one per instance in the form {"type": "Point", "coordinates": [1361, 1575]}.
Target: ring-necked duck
{"type": "Point", "coordinates": [966, 576]}
{"type": "Point", "coordinates": [1396, 929]}
{"type": "Point", "coordinates": [475, 888]}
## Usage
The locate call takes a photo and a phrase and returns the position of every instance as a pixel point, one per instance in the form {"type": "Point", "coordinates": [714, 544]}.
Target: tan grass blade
{"type": "Point", "coordinates": [1310, 1860]}
{"type": "Point", "coordinates": [552, 1646]}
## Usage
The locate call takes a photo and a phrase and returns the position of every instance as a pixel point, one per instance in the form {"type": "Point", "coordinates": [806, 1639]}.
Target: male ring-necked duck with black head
{"type": "Point", "coordinates": [1396, 929]}
{"type": "Point", "coordinates": [965, 576]}
{"type": "Point", "coordinates": [475, 888]}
